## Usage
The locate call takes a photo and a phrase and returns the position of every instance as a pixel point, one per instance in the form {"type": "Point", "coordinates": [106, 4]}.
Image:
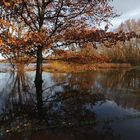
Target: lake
{"type": "Point", "coordinates": [100, 105]}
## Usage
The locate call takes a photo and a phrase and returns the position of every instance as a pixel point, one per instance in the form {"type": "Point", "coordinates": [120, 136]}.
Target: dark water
{"type": "Point", "coordinates": [101, 105]}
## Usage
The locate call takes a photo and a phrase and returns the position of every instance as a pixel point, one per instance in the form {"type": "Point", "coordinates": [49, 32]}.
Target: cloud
{"type": "Point", "coordinates": [128, 9]}
{"type": "Point", "coordinates": [134, 14]}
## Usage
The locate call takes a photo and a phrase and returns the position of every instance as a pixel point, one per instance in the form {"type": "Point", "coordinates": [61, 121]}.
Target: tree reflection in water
{"type": "Point", "coordinates": [67, 104]}
{"type": "Point", "coordinates": [59, 108]}
{"type": "Point", "coordinates": [19, 100]}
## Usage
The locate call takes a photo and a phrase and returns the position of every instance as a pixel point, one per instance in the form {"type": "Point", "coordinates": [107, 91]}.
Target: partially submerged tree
{"type": "Point", "coordinates": [55, 23]}
{"type": "Point", "coordinates": [47, 21]}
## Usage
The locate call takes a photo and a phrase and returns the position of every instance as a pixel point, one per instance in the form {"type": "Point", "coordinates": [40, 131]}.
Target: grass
{"type": "Point", "coordinates": [61, 66]}
{"type": "Point", "coordinates": [122, 53]}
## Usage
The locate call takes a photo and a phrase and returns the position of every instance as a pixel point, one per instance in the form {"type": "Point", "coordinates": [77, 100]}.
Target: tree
{"type": "Point", "coordinates": [128, 51]}
{"type": "Point", "coordinates": [54, 23]}
{"type": "Point", "coordinates": [47, 20]}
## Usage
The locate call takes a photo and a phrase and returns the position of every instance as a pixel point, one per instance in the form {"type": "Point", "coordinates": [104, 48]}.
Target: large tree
{"type": "Point", "coordinates": [48, 20]}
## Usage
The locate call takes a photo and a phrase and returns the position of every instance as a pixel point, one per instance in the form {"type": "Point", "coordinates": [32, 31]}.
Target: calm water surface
{"type": "Point", "coordinates": [101, 105]}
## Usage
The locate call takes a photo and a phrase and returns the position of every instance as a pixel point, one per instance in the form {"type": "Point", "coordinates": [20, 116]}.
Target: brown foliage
{"type": "Point", "coordinates": [47, 20]}
{"type": "Point", "coordinates": [87, 55]}
{"type": "Point", "coordinates": [95, 35]}
{"type": "Point", "coordinates": [13, 43]}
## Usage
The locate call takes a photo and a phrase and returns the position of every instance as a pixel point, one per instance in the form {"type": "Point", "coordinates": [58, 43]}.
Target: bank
{"type": "Point", "coordinates": [61, 66]}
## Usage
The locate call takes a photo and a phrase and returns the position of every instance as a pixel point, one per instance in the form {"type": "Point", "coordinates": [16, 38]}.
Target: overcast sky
{"type": "Point", "coordinates": [127, 9]}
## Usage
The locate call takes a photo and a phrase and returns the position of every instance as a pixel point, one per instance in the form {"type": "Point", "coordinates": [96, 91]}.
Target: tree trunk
{"type": "Point", "coordinates": [38, 81]}
{"type": "Point", "coordinates": [38, 76]}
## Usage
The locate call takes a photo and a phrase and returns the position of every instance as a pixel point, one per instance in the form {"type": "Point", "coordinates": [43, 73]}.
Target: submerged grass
{"type": "Point", "coordinates": [72, 67]}
{"type": "Point", "coordinates": [61, 66]}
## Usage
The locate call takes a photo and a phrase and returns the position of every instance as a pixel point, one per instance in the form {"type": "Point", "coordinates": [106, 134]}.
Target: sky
{"type": "Point", "coordinates": [127, 9]}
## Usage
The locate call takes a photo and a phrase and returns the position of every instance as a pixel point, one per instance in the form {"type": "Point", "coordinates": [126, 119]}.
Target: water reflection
{"type": "Point", "coordinates": [98, 101]}
{"type": "Point", "coordinates": [18, 100]}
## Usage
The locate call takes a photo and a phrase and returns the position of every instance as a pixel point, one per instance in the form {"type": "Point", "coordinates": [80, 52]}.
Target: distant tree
{"type": "Point", "coordinates": [131, 25]}
{"type": "Point", "coordinates": [131, 47]}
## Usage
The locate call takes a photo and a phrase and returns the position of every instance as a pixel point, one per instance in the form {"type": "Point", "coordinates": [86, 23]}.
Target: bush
{"type": "Point", "coordinates": [123, 53]}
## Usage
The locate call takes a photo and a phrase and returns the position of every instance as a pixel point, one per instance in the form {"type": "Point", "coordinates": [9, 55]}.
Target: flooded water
{"type": "Point", "coordinates": [101, 105]}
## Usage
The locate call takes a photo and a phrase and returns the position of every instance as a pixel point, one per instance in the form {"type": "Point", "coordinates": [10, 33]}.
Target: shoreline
{"type": "Point", "coordinates": [69, 67]}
